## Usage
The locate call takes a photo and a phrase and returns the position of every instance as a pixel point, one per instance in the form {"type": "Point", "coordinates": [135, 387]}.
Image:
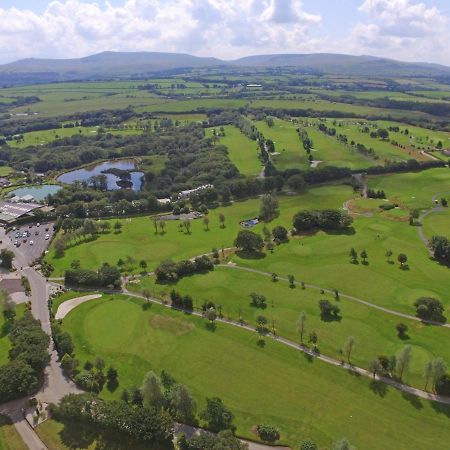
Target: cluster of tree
{"type": "Point", "coordinates": [327, 219]}
{"type": "Point", "coordinates": [28, 356]}
{"type": "Point", "coordinates": [170, 271]}
{"type": "Point", "coordinates": [106, 276]}
{"type": "Point", "coordinates": [328, 311]}
{"type": "Point", "coordinates": [92, 378]}
{"type": "Point", "coordinates": [408, 166]}
{"type": "Point", "coordinates": [208, 441]}
{"type": "Point", "coordinates": [184, 302]}
{"type": "Point", "coordinates": [372, 193]}
{"type": "Point", "coordinates": [6, 258]}
{"type": "Point", "coordinates": [440, 246]}
{"type": "Point", "coordinates": [429, 308]}
{"type": "Point", "coordinates": [144, 423]}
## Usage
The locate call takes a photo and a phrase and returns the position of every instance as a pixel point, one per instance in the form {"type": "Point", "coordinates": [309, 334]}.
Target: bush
{"type": "Point", "coordinates": [258, 300]}
{"type": "Point", "coordinates": [280, 233]}
{"type": "Point", "coordinates": [443, 385]}
{"type": "Point", "coordinates": [169, 271]}
{"type": "Point", "coordinates": [328, 310]}
{"type": "Point", "coordinates": [327, 219]}
{"type": "Point", "coordinates": [249, 242]}
{"type": "Point", "coordinates": [267, 433]}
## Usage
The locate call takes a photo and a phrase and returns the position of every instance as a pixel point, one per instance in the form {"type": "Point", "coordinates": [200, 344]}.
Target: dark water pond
{"type": "Point", "coordinates": [87, 172]}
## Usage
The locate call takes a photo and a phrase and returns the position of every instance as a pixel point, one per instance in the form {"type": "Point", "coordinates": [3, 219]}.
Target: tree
{"type": "Point", "coordinates": [217, 415]}
{"type": "Point", "coordinates": [143, 265]}
{"type": "Point", "coordinates": [187, 225]}
{"type": "Point", "coordinates": [428, 373]}
{"type": "Point", "coordinates": [206, 223]}
{"type": "Point", "coordinates": [155, 220]}
{"type": "Point", "coordinates": [222, 220]}
{"type": "Point", "coordinates": [413, 216]}
{"type": "Point", "coordinates": [375, 367]}
{"type": "Point", "coordinates": [444, 202]}
{"type": "Point", "coordinates": [343, 444]}
{"type": "Point", "coordinates": [301, 324]}
{"type": "Point", "coordinates": [348, 347]}
{"type": "Point", "coordinates": [211, 315]}
{"type": "Point", "coordinates": [429, 308]}
{"type": "Point", "coordinates": [99, 363]}
{"type": "Point", "coordinates": [183, 403]}
{"type": "Point", "coordinates": [258, 300]}
{"type": "Point", "coordinates": [6, 258]}
{"type": "Point", "coordinates": [152, 393]}
{"type": "Point", "coordinates": [162, 225]}
{"type": "Point", "coordinates": [118, 227]}
{"type": "Point", "coordinates": [402, 259]}
{"type": "Point", "coordinates": [274, 277]}
{"type": "Point", "coordinates": [441, 248]}
{"type": "Point", "coordinates": [383, 134]}
{"type": "Point", "coordinates": [442, 386]}
{"type": "Point", "coordinates": [403, 359]}
{"type": "Point", "coordinates": [307, 444]}
{"type": "Point", "coordinates": [364, 256]}
{"type": "Point", "coordinates": [353, 255]}
{"type": "Point", "coordinates": [433, 371]}
{"type": "Point", "coordinates": [389, 255]}
{"type": "Point", "coordinates": [313, 339]}
{"type": "Point", "coordinates": [249, 242]}
{"type": "Point", "coordinates": [291, 279]}
{"type": "Point", "coordinates": [268, 433]}
{"type": "Point", "coordinates": [402, 329]}
{"type": "Point", "coordinates": [297, 183]}
{"type": "Point", "coordinates": [269, 208]}
{"type": "Point", "coordinates": [328, 311]}
{"type": "Point", "coordinates": [280, 233]}
{"type": "Point", "coordinates": [7, 306]}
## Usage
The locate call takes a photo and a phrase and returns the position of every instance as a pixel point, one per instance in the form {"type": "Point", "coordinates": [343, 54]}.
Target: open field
{"type": "Point", "coordinates": [228, 363]}
{"type": "Point", "coordinates": [138, 240]}
{"type": "Point", "coordinates": [5, 170]}
{"type": "Point", "coordinates": [323, 260]}
{"type": "Point", "coordinates": [9, 438]}
{"type": "Point", "coordinates": [287, 144]}
{"type": "Point", "coordinates": [437, 224]}
{"type": "Point", "coordinates": [414, 189]}
{"type": "Point", "coordinates": [242, 151]}
{"type": "Point", "coordinates": [374, 331]}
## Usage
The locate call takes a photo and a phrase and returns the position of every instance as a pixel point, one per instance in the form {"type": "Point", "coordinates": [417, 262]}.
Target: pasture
{"type": "Point", "coordinates": [228, 363]}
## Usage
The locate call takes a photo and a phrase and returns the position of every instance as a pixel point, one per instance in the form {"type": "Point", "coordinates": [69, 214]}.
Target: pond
{"type": "Point", "coordinates": [38, 192]}
{"type": "Point", "coordinates": [87, 172]}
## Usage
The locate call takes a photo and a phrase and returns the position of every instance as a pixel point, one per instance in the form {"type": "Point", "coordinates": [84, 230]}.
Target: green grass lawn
{"type": "Point", "coordinates": [414, 189]}
{"type": "Point", "coordinates": [63, 297]}
{"type": "Point", "coordinates": [437, 224]}
{"type": "Point", "coordinates": [242, 151]}
{"type": "Point", "coordinates": [138, 240]}
{"type": "Point", "coordinates": [272, 384]}
{"type": "Point", "coordinates": [5, 170]}
{"type": "Point", "coordinates": [9, 437]}
{"type": "Point", "coordinates": [373, 330]}
{"type": "Point", "coordinates": [287, 144]}
{"type": "Point", "coordinates": [323, 259]}
{"type": "Point", "coordinates": [332, 153]}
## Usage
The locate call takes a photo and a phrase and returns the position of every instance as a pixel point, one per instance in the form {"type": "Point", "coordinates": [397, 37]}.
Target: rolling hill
{"type": "Point", "coordinates": [107, 65]}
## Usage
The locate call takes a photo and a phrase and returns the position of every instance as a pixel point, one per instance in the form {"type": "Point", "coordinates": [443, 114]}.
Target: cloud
{"type": "Point", "coordinates": [224, 28]}
{"type": "Point", "coordinates": [401, 29]}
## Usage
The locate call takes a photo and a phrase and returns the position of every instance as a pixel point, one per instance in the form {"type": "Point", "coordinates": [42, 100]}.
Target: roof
{"type": "Point", "coordinates": [17, 209]}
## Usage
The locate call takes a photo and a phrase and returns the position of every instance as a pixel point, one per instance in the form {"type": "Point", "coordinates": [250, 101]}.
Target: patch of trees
{"type": "Point", "coordinates": [106, 276]}
{"type": "Point", "coordinates": [249, 242]}
{"type": "Point", "coordinates": [440, 246]}
{"type": "Point", "coordinates": [28, 357]}
{"type": "Point", "coordinates": [408, 166]}
{"type": "Point", "coordinates": [207, 441]}
{"type": "Point", "coordinates": [327, 219]}
{"type": "Point", "coordinates": [144, 423]}
{"type": "Point", "coordinates": [170, 271]}
{"type": "Point", "coordinates": [372, 193]}
{"type": "Point", "coordinates": [328, 311]}
{"type": "Point", "coordinates": [184, 302]}
{"type": "Point", "coordinates": [429, 308]}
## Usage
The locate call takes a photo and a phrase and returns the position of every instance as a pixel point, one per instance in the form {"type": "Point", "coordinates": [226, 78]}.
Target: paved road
{"type": "Point", "coordinates": [295, 345]}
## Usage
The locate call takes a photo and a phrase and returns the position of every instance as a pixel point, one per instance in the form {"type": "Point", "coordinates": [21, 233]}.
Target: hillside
{"type": "Point", "coordinates": [140, 64]}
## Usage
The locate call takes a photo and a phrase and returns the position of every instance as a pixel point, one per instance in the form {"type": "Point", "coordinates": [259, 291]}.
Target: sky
{"type": "Point", "coordinates": [407, 30]}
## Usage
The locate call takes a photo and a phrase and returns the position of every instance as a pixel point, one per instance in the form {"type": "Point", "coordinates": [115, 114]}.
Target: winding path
{"type": "Point", "coordinates": [67, 306]}
{"type": "Point", "coordinates": [349, 367]}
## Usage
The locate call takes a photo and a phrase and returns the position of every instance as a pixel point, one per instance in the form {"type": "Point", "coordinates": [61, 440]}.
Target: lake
{"type": "Point", "coordinates": [38, 192]}
{"type": "Point", "coordinates": [87, 172]}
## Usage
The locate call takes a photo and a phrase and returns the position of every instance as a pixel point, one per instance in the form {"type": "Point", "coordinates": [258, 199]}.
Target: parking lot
{"type": "Point", "coordinates": [31, 240]}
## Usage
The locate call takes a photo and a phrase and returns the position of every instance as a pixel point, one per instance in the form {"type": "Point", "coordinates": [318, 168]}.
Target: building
{"type": "Point", "coordinates": [12, 212]}
{"type": "Point", "coordinates": [4, 182]}
{"type": "Point", "coordinates": [189, 192]}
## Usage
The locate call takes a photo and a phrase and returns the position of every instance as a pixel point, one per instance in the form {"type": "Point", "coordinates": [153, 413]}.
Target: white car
{"type": "Point", "coordinates": [31, 242]}
{"type": "Point", "coordinates": [47, 237]}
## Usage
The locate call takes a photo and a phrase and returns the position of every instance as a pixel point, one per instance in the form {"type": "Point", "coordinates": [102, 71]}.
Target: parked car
{"type": "Point", "coordinates": [47, 237]}
{"type": "Point", "coordinates": [36, 233]}
{"type": "Point", "coordinates": [31, 242]}
{"type": "Point", "coordinates": [38, 224]}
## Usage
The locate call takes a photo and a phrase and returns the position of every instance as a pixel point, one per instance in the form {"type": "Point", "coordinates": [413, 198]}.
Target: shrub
{"type": "Point", "coordinates": [268, 433]}
{"type": "Point", "coordinates": [430, 309]}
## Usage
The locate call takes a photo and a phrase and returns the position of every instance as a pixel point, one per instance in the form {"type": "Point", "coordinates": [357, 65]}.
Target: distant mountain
{"type": "Point", "coordinates": [108, 65]}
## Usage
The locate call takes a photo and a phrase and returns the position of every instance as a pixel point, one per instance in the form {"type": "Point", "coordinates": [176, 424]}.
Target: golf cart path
{"type": "Point", "coordinates": [295, 345]}
{"type": "Point", "coordinates": [67, 306]}
{"type": "Point", "coordinates": [348, 297]}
